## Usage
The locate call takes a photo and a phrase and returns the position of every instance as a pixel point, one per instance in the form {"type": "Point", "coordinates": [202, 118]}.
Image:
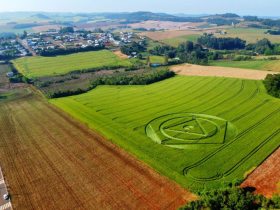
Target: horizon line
{"type": "Point", "coordinates": [134, 11]}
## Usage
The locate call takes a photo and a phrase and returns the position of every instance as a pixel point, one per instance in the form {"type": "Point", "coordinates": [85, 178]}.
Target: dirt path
{"type": "Point", "coordinates": [51, 161]}
{"type": "Point", "coordinates": [266, 178]}
{"type": "Point", "coordinates": [26, 46]}
{"type": "Point", "coordinates": [197, 70]}
{"type": "Point", "coordinates": [120, 54]}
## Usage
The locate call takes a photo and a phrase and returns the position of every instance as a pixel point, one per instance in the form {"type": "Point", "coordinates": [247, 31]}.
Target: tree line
{"type": "Point", "coordinates": [119, 78]}
{"type": "Point", "coordinates": [186, 52]}
{"type": "Point", "coordinates": [273, 32]}
{"type": "Point", "coordinates": [210, 41]}
{"type": "Point", "coordinates": [232, 198]}
{"type": "Point", "coordinates": [134, 47]}
{"type": "Point", "coordinates": [264, 46]}
{"type": "Point", "coordinates": [60, 51]}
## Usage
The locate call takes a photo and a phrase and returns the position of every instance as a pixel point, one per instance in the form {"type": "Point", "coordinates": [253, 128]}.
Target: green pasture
{"type": "Point", "coordinates": [151, 44]}
{"type": "Point", "coordinates": [251, 35]}
{"type": "Point", "coordinates": [199, 131]}
{"type": "Point", "coordinates": [175, 42]}
{"type": "Point", "coordinates": [157, 59]}
{"type": "Point", "coordinates": [48, 66]}
{"type": "Point", "coordinates": [258, 64]}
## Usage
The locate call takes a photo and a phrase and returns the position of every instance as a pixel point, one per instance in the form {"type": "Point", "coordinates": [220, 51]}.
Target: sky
{"type": "Point", "coordinates": [242, 7]}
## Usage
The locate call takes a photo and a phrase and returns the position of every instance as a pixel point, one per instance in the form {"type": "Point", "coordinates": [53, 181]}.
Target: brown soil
{"type": "Point", "coordinates": [197, 70]}
{"type": "Point", "coordinates": [266, 178]}
{"type": "Point", "coordinates": [45, 28]}
{"type": "Point", "coordinates": [177, 31]}
{"type": "Point", "coordinates": [166, 25]}
{"type": "Point", "coordinates": [51, 161]}
{"type": "Point", "coordinates": [120, 54]}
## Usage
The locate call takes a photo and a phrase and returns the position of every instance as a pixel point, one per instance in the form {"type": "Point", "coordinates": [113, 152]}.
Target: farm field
{"type": "Point", "coordinates": [175, 37]}
{"type": "Point", "coordinates": [164, 35]}
{"type": "Point", "coordinates": [251, 35]}
{"type": "Point", "coordinates": [157, 59]}
{"type": "Point", "coordinates": [199, 131]}
{"type": "Point", "coordinates": [266, 178]}
{"type": "Point", "coordinates": [165, 25]}
{"type": "Point", "coordinates": [174, 42]}
{"type": "Point", "coordinates": [120, 54]}
{"type": "Point", "coordinates": [47, 66]}
{"type": "Point", "coordinates": [267, 65]}
{"type": "Point", "coordinates": [218, 71]}
{"type": "Point", "coordinates": [4, 81]}
{"type": "Point", "coordinates": [51, 161]}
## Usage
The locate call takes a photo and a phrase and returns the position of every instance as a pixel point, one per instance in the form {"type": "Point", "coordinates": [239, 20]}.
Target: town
{"type": "Point", "coordinates": [62, 41]}
{"type": "Point", "coordinates": [10, 48]}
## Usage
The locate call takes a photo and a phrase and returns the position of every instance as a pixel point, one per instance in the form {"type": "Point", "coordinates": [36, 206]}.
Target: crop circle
{"type": "Point", "coordinates": [181, 129]}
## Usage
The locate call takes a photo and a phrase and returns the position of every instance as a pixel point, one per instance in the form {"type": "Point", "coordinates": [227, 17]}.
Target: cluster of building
{"type": "Point", "coordinates": [12, 48]}
{"type": "Point", "coordinates": [54, 39]}
{"type": "Point", "coordinates": [126, 37]}
{"type": "Point", "coordinates": [35, 43]}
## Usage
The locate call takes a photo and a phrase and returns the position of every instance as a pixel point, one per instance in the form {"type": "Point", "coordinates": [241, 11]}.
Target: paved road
{"type": "Point", "coordinates": [26, 46]}
{"type": "Point", "coordinates": [4, 205]}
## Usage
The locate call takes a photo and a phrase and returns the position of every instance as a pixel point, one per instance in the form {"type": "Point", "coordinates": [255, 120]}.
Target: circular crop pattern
{"type": "Point", "coordinates": [189, 128]}
{"type": "Point", "coordinates": [182, 129]}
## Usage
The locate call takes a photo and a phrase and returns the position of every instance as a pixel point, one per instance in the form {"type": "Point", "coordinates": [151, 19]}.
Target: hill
{"type": "Point", "coordinates": [144, 16]}
{"type": "Point", "coordinates": [41, 16]}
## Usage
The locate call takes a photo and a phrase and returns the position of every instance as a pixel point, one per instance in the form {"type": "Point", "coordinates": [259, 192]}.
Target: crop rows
{"type": "Point", "coordinates": [122, 113]}
{"type": "Point", "coordinates": [48, 66]}
{"type": "Point", "coordinates": [52, 161]}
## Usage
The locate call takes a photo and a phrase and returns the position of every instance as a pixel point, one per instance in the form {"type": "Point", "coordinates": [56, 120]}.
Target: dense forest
{"type": "Point", "coordinates": [134, 47]}
{"type": "Point", "coordinates": [273, 32]}
{"type": "Point", "coordinates": [272, 84]}
{"type": "Point", "coordinates": [192, 53]}
{"type": "Point", "coordinates": [264, 46]}
{"type": "Point", "coordinates": [165, 50]}
{"type": "Point", "coordinates": [187, 52]}
{"type": "Point", "coordinates": [209, 41]}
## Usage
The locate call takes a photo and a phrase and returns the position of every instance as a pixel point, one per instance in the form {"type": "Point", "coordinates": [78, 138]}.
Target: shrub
{"type": "Point", "coordinates": [272, 84]}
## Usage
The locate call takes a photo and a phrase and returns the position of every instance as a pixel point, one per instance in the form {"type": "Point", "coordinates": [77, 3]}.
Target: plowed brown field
{"type": "Point", "coordinates": [51, 161]}
{"type": "Point", "coordinates": [166, 25]}
{"type": "Point", "coordinates": [216, 71]}
{"type": "Point", "coordinates": [266, 178]}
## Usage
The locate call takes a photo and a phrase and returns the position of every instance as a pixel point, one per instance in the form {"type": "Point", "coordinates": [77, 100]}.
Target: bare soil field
{"type": "Point", "coordinates": [100, 24]}
{"type": "Point", "coordinates": [165, 25]}
{"type": "Point", "coordinates": [51, 161]}
{"type": "Point", "coordinates": [266, 178]}
{"type": "Point", "coordinates": [197, 70]}
{"type": "Point", "coordinates": [177, 31]}
{"type": "Point", "coordinates": [45, 28]}
{"type": "Point", "coordinates": [120, 54]}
